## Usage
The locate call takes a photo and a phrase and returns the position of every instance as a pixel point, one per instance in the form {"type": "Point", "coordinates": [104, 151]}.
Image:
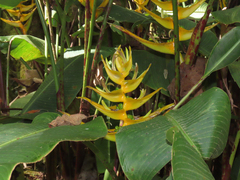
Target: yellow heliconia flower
{"type": "Point", "coordinates": [182, 12]}
{"type": "Point", "coordinates": [99, 9]}
{"type": "Point", "coordinates": [121, 66]}
{"type": "Point", "coordinates": [167, 47]}
{"type": "Point", "coordinates": [23, 15]}
{"type": "Point", "coordinates": [167, 22]}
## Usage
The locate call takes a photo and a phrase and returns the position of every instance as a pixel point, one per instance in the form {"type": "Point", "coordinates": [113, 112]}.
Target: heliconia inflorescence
{"type": "Point", "coordinates": [184, 34]}
{"type": "Point", "coordinates": [22, 15]}
{"type": "Point", "coordinates": [121, 66]}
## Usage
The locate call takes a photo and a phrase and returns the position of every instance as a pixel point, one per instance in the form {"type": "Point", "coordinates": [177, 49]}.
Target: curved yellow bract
{"type": "Point", "coordinates": [121, 66]}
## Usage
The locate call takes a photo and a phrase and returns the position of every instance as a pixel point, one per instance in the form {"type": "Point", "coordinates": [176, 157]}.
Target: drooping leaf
{"type": "Point", "coordinates": [186, 161]}
{"type": "Point", "coordinates": [25, 143]}
{"type": "Point", "coordinates": [228, 16]}
{"type": "Point", "coordinates": [225, 52]}
{"type": "Point", "coordinates": [234, 69]}
{"type": "Point", "coordinates": [204, 122]}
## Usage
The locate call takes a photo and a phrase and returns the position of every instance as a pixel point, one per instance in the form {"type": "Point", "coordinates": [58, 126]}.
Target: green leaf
{"type": "Point", "coordinates": [228, 16]}
{"type": "Point", "coordinates": [19, 45]}
{"type": "Point", "coordinates": [122, 14]}
{"type": "Point", "coordinates": [45, 97]}
{"type": "Point", "coordinates": [27, 143]}
{"type": "Point", "coordinates": [9, 4]}
{"type": "Point", "coordinates": [234, 69]}
{"type": "Point", "coordinates": [143, 149]}
{"type": "Point", "coordinates": [204, 123]}
{"type": "Point", "coordinates": [162, 67]}
{"type": "Point", "coordinates": [225, 52]}
{"type": "Point", "coordinates": [186, 162]}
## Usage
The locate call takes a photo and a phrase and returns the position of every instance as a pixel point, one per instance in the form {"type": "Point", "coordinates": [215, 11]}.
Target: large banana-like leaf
{"type": "Point", "coordinates": [203, 122]}
{"type": "Point", "coordinates": [26, 143]}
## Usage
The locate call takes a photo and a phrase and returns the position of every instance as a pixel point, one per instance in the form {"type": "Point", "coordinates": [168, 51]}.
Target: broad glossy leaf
{"type": "Point", "coordinates": [228, 16]}
{"type": "Point", "coordinates": [234, 69]}
{"type": "Point", "coordinates": [187, 164]}
{"type": "Point", "coordinates": [9, 4]}
{"type": "Point", "coordinates": [143, 149]}
{"type": "Point", "coordinates": [225, 52]}
{"type": "Point", "coordinates": [25, 143]}
{"type": "Point", "coordinates": [204, 122]}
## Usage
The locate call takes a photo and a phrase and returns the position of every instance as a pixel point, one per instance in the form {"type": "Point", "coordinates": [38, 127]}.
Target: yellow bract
{"type": "Point", "coordinates": [184, 34]}
{"type": "Point", "coordinates": [22, 16]}
{"type": "Point", "coordinates": [121, 66]}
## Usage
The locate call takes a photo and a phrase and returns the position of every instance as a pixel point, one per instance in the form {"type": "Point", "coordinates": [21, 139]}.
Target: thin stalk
{"type": "Point", "coordinates": [98, 47]}
{"type": "Point", "coordinates": [176, 50]}
{"type": "Point", "coordinates": [7, 72]}
{"type": "Point", "coordinates": [190, 92]}
{"type": "Point", "coordinates": [101, 157]}
{"type": "Point", "coordinates": [197, 35]}
{"type": "Point", "coordinates": [2, 91]}
{"type": "Point", "coordinates": [87, 63]}
{"type": "Point", "coordinates": [57, 40]}
{"type": "Point", "coordinates": [44, 25]}
{"type": "Point", "coordinates": [234, 150]}
{"type": "Point", "coordinates": [60, 93]}
{"type": "Point", "coordinates": [48, 12]}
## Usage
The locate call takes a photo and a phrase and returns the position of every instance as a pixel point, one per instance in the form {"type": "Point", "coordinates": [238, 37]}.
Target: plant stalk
{"type": "Point", "coordinates": [197, 35]}
{"type": "Point", "coordinates": [176, 50]}
{"type": "Point", "coordinates": [44, 25]}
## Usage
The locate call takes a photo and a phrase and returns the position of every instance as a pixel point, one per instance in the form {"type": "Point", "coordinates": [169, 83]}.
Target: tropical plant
{"type": "Point", "coordinates": [173, 120]}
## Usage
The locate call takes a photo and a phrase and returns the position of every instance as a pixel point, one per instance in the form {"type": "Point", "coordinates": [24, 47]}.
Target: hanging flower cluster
{"type": "Point", "coordinates": [167, 22]}
{"type": "Point", "coordinates": [21, 15]}
{"type": "Point", "coordinates": [121, 66]}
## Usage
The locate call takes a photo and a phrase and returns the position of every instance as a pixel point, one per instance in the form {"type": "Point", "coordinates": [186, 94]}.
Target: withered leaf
{"type": "Point", "coordinates": [64, 120]}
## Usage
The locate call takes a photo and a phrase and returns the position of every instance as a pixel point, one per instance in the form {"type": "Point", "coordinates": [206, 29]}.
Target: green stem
{"type": "Point", "coordinates": [98, 47]}
{"type": "Point", "coordinates": [190, 92]}
{"type": "Point", "coordinates": [176, 50]}
{"type": "Point", "coordinates": [7, 72]}
{"type": "Point", "coordinates": [235, 147]}
{"type": "Point", "coordinates": [44, 25]}
{"type": "Point", "coordinates": [87, 62]}
{"type": "Point", "coordinates": [60, 93]}
{"type": "Point", "coordinates": [51, 30]}
{"type": "Point", "coordinates": [101, 157]}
